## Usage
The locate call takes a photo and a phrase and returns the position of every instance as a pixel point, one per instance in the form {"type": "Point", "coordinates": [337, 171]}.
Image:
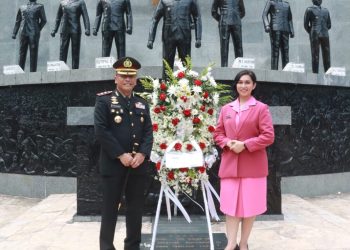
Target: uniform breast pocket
{"type": "Point", "coordinates": [140, 116]}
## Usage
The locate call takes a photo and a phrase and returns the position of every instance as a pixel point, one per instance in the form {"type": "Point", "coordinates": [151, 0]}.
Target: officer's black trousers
{"type": "Point", "coordinates": [225, 32]}
{"type": "Point", "coordinates": [279, 42]}
{"type": "Point", "coordinates": [33, 42]}
{"type": "Point", "coordinates": [113, 188]}
{"type": "Point", "coordinates": [107, 40]}
{"type": "Point", "coordinates": [316, 42]}
{"type": "Point", "coordinates": [65, 40]}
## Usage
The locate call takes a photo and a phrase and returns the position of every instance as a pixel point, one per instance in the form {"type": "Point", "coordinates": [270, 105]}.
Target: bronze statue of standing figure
{"type": "Point", "coordinates": [229, 14]}
{"type": "Point", "coordinates": [68, 15]}
{"type": "Point", "coordinates": [278, 21]}
{"type": "Point", "coordinates": [317, 22]}
{"type": "Point", "coordinates": [177, 17]}
{"type": "Point", "coordinates": [113, 24]}
{"type": "Point", "coordinates": [30, 20]}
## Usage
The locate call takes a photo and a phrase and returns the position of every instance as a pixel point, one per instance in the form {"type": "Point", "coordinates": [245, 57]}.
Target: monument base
{"type": "Point", "coordinates": [181, 235]}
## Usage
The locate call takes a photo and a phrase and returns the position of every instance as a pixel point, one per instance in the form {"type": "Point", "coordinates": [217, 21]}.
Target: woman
{"type": "Point", "coordinates": [243, 131]}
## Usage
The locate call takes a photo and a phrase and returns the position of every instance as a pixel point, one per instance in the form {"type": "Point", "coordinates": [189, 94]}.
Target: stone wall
{"type": "Point", "coordinates": [256, 42]}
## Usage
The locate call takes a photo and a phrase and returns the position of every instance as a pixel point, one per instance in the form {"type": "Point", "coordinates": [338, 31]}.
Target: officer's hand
{"type": "Point", "coordinates": [138, 160]}
{"type": "Point", "coordinates": [53, 34]}
{"type": "Point", "coordinates": [94, 32]}
{"type": "Point", "coordinates": [129, 31]}
{"type": "Point", "coordinates": [267, 29]}
{"type": "Point", "coordinates": [13, 36]}
{"type": "Point", "coordinates": [126, 159]}
{"type": "Point", "coordinates": [87, 32]}
{"type": "Point", "coordinates": [150, 45]}
{"type": "Point", "coordinates": [198, 43]}
{"type": "Point", "coordinates": [291, 35]}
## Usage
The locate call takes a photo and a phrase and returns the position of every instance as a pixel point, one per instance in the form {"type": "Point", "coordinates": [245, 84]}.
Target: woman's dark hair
{"type": "Point", "coordinates": [248, 72]}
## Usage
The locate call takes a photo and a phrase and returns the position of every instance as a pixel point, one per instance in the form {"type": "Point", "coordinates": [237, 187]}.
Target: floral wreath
{"type": "Point", "coordinates": [184, 112]}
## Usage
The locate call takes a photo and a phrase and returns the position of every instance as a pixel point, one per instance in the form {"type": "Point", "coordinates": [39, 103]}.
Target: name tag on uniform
{"type": "Point", "coordinates": [139, 105]}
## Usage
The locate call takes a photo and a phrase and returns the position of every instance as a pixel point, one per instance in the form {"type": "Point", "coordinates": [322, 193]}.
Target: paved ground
{"type": "Point", "coordinates": [309, 224]}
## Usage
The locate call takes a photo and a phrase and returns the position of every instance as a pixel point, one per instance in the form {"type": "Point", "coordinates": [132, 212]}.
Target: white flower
{"type": "Point", "coordinates": [172, 90]}
{"type": "Point", "coordinates": [197, 89]}
{"type": "Point", "coordinates": [179, 65]}
{"type": "Point", "coordinates": [183, 82]}
{"type": "Point", "coordinates": [212, 81]}
{"type": "Point", "coordinates": [195, 112]}
{"type": "Point", "coordinates": [216, 98]}
{"type": "Point", "coordinates": [156, 84]}
{"type": "Point", "coordinates": [193, 73]}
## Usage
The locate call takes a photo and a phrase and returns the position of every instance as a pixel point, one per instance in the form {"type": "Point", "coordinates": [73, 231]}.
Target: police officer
{"type": "Point", "coordinates": [68, 15]}
{"type": "Point", "coordinates": [30, 20]}
{"type": "Point", "coordinates": [317, 22]}
{"type": "Point", "coordinates": [123, 127]}
{"type": "Point", "coordinates": [278, 21]}
{"type": "Point", "coordinates": [113, 24]}
{"type": "Point", "coordinates": [177, 17]}
{"type": "Point", "coordinates": [229, 14]}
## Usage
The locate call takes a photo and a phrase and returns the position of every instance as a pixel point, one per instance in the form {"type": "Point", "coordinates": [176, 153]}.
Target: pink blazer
{"type": "Point", "coordinates": [255, 128]}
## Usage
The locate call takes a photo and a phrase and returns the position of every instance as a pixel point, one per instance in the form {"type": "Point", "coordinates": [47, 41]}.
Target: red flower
{"type": "Point", "coordinates": [156, 110]}
{"type": "Point", "coordinates": [205, 94]}
{"type": "Point", "coordinates": [210, 111]}
{"type": "Point", "coordinates": [189, 147]}
{"type": "Point", "coordinates": [181, 75]}
{"type": "Point", "coordinates": [178, 146]}
{"type": "Point", "coordinates": [202, 108]}
{"type": "Point", "coordinates": [163, 146]}
{"type": "Point", "coordinates": [211, 129]}
{"type": "Point", "coordinates": [162, 108]}
{"type": "Point", "coordinates": [171, 175]}
{"type": "Point", "coordinates": [155, 127]}
{"type": "Point", "coordinates": [197, 82]}
{"type": "Point", "coordinates": [202, 145]}
{"type": "Point", "coordinates": [201, 169]}
{"type": "Point", "coordinates": [196, 120]}
{"type": "Point", "coordinates": [158, 165]}
{"type": "Point", "coordinates": [184, 98]}
{"type": "Point", "coordinates": [187, 112]}
{"type": "Point", "coordinates": [183, 170]}
{"type": "Point", "coordinates": [162, 96]}
{"type": "Point", "coordinates": [163, 86]}
{"type": "Point", "coordinates": [175, 121]}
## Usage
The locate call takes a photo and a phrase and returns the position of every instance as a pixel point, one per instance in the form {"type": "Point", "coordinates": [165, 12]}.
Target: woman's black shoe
{"type": "Point", "coordinates": [236, 247]}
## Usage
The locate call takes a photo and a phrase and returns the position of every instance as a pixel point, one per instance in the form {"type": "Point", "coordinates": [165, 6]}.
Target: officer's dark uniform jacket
{"type": "Point", "coordinates": [177, 20]}
{"type": "Point", "coordinates": [280, 15]}
{"type": "Point", "coordinates": [30, 19]}
{"type": "Point", "coordinates": [228, 12]}
{"type": "Point", "coordinates": [122, 128]}
{"type": "Point", "coordinates": [317, 21]}
{"type": "Point", "coordinates": [68, 15]}
{"type": "Point", "coordinates": [113, 15]}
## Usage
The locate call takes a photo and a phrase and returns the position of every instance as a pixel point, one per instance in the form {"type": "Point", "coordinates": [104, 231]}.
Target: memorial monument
{"type": "Point", "coordinates": [113, 24]}
{"type": "Point", "coordinates": [317, 22]}
{"type": "Point", "coordinates": [278, 21]}
{"type": "Point", "coordinates": [68, 15]}
{"type": "Point", "coordinates": [229, 14]}
{"type": "Point", "coordinates": [177, 16]}
{"type": "Point", "coordinates": [30, 20]}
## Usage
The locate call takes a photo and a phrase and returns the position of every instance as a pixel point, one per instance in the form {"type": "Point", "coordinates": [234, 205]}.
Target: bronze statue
{"type": "Point", "coordinates": [68, 14]}
{"type": "Point", "coordinates": [278, 21]}
{"type": "Point", "coordinates": [113, 24]}
{"type": "Point", "coordinates": [177, 15]}
{"type": "Point", "coordinates": [317, 22]}
{"type": "Point", "coordinates": [229, 14]}
{"type": "Point", "coordinates": [30, 20]}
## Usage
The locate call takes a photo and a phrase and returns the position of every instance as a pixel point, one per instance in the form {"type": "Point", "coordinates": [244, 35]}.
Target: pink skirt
{"type": "Point", "coordinates": [243, 197]}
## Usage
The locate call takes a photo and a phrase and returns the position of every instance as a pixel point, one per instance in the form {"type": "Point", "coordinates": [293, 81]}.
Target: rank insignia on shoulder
{"type": "Point", "coordinates": [104, 93]}
{"type": "Point", "coordinates": [140, 105]}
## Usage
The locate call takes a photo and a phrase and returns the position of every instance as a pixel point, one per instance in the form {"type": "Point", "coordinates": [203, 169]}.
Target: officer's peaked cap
{"type": "Point", "coordinates": [126, 66]}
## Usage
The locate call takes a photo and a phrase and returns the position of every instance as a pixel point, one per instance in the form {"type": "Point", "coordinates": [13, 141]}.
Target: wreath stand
{"type": "Point", "coordinates": [207, 189]}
